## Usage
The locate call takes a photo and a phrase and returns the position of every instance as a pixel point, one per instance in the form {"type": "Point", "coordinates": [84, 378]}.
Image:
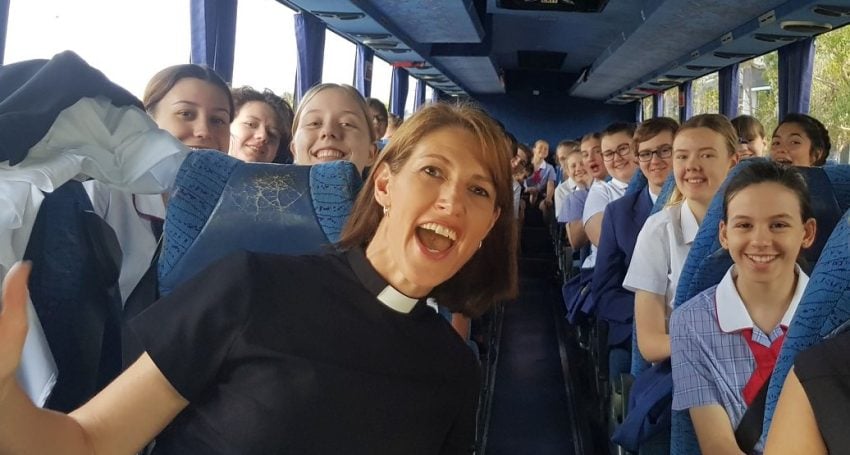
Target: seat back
{"type": "Point", "coordinates": [76, 260]}
{"type": "Point", "coordinates": [825, 305]}
{"type": "Point", "coordinates": [637, 183]}
{"type": "Point", "coordinates": [221, 205]}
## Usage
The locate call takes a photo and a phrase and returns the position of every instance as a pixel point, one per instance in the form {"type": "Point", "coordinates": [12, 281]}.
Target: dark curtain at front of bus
{"type": "Point", "coordinates": [310, 38]}
{"type": "Point", "coordinates": [214, 35]}
{"type": "Point", "coordinates": [363, 70]}
{"type": "Point", "coordinates": [796, 62]}
{"type": "Point", "coordinates": [686, 102]}
{"type": "Point", "coordinates": [4, 23]}
{"type": "Point", "coordinates": [638, 111]}
{"type": "Point", "coordinates": [398, 95]}
{"type": "Point", "coordinates": [658, 105]}
{"type": "Point", "coordinates": [419, 95]}
{"type": "Point", "coordinates": [728, 87]}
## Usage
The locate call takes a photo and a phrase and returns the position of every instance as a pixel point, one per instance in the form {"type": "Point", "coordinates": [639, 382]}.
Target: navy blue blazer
{"type": "Point", "coordinates": [621, 224]}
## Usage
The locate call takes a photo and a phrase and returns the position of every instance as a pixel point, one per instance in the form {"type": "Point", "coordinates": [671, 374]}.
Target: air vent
{"type": "Point", "coordinates": [771, 38]}
{"type": "Point", "coordinates": [832, 10]}
{"type": "Point", "coordinates": [662, 83]}
{"type": "Point", "coordinates": [541, 60]}
{"type": "Point", "coordinates": [807, 27]}
{"type": "Point", "coordinates": [573, 6]}
{"type": "Point", "coordinates": [380, 44]}
{"type": "Point", "coordinates": [338, 15]}
{"type": "Point", "coordinates": [677, 77]}
{"type": "Point", "coordinates": [399, 50]}
{"type": "Point", "coordinates": [734, 55]}
{"type": "Point", "coordinates": [701, 68]}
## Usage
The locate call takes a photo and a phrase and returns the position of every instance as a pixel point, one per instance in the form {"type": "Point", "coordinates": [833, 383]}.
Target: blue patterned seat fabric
{"type": "Point", "coordinates": [637, 183]}
{"type": "Point", "coordinates": [221, 205]}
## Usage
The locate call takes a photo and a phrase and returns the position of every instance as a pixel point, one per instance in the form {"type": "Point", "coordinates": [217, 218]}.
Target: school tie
{"type": "Point", "coordinates": [765, 361]}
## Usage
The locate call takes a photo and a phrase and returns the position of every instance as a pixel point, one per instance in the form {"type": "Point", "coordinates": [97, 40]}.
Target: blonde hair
{"type": "Point", "coordinates": [490, 276]}
{"type": "Point", "coordinates": [348, 90]}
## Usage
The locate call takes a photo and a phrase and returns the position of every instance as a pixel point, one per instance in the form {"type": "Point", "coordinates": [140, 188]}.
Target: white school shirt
{"type": "Point", "coordinates": [662, 246]}
{"type": "Point", "coordinates": [600, 195]}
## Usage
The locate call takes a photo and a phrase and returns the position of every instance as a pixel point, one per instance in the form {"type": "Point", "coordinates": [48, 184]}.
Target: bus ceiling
{"type": "Point", "coordinates": [598, 49]}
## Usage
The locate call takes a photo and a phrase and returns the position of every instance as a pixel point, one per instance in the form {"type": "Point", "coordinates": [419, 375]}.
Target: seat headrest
{"type": "Point", "coordinates": [664, 195]}
{"type": "Point", "coordinates": [637, 183]}
{"type": "Point", "coordinates": [221, 205]}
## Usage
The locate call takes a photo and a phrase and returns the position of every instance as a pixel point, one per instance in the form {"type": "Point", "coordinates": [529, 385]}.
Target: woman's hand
{"type": "Point", "coordinates": [13, 322]}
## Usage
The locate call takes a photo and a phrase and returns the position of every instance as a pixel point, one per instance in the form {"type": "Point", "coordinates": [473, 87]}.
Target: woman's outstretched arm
{"type": "Point", "coordinates": [121, 419]}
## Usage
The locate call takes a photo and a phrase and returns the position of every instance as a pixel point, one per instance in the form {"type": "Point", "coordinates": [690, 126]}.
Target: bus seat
{"type": "Point", "coordinates": [825, 305]}
{"type": "Point", "coordinates": [637, 183]}
{"type": "Point", "coordinates": [76, 260]}
{"type": "Point", "coordinates": [221, 205]}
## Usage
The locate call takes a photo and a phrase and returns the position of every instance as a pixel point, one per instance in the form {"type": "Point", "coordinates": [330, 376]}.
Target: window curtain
{"type": "Point", "coordinates": [639, 111]}
{"type": "Point", "coordinates": [435, 96]}
{"type": "Point", "coordinates": [398, 92]}
{"type": "Point", "coordinates": [419, 95]}
{"type": "Point", "coordinates": [796, 62]}
{"type": "Point", "coordinates": [729, 90]}
{"type": "Point", "coordinates": [658, 105]}
{"type": "Point", "coordinates": [686, 102]}
{"type": "Point", "coordinates": [363, 70]}
{"type": "Point", "coordinates": [4, 22]}
{"type": "Point", "coordinates": [310, 40]}
{"type": "Point", "coordinates": [213, 25]}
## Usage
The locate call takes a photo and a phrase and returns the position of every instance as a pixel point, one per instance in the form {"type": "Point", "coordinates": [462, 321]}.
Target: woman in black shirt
{"type": "Point", "coordinates": [318, 354]}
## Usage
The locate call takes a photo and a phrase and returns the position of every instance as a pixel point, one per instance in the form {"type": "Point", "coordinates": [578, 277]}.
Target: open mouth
{"type": "Point", "coordinates": [762, 258]}
{"type": "Point", "coordinates": [328, 154]}
{"type": "Point", "coordinates": [435, 237]}
{"type": "Point", "coordinates": [695, 180]}
{"type": "Point", "coordinates": [783, 160]}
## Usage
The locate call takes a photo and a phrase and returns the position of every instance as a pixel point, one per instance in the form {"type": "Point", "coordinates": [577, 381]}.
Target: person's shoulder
{"type": "Point", "coordinates": [699, 307]}
{"type": "Point", "coordinates": [829, 357]}
{"type": "Point", "coordinates": [658, 220]}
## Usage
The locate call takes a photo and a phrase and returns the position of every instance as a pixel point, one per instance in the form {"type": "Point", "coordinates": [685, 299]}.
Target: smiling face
{"type": "Point", "coordinates": [791, 145]}
{"type": "Point", "coordinates": [197, 113]}
{"type": "Point", "coordinates": [765, 232]}
{"type": "Point", "coordinates": [576, 171]}
{"type": "Point", "coordinates": [591, 156]}
{"type": "Point", "coordinates": [751, 147]}
{"type": "Point", "coordinates": [441, 205]}
{"type": "Point", "coordinates": [701, 161]}
{"type": "Point", "coordinates": [657, 169]}
{"type": "Point", "coordinates": [621, 166]}
{"type": "Point", "coordinates": [332, 126]}
{"type": "Point", "coordinates": [255, 133]}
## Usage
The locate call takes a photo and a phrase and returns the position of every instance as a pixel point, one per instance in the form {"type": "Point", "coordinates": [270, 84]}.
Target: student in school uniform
{"type": "Point", "coordinates": [726, 339]}
{"type": "Point", "coordinates": [800, 140]}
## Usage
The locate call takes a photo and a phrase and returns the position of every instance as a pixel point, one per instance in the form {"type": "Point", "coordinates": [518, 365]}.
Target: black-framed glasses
{"type": "Point", "coordinates": [665, 151]}
{"type": "Point", "coordinates": [622, 150]}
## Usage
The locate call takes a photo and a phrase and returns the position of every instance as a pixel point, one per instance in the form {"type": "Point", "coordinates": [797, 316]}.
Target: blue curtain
{"type": "Point", "coordinates": [686, 102]}
{"type": "Point", "coordinates": [363, 70]}
{"type": "Point", "coordinates": [4, 22]}
{"type": "Point", "coordinates": [728, 87]}
{"type": "Point", "coordinates": [639, 111]}
{"type": "Point", "coordinates": [435, 96]}
{"type": "Point", "coordinates": [398, 91]}
{"type": "Point", "coordinates": [419, 95]}
{"type": "Point", "coordinates": [658, 105]}
{"type": "Point", "coordinates": [214, 35]}
{"type": "Point", "coordinates": [796, 62]}
{"type": "Point", "coordinates": [310, 39]}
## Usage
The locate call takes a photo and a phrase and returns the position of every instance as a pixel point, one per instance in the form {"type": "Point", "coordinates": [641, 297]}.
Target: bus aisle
{"type": "Point", "coordinates": [533, 407]}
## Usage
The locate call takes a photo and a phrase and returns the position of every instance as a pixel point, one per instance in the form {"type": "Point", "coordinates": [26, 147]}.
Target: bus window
{"type": "Point", "coordinates": [158, 35]}
{"type": "Point", "coordinates": [260, 27]}
{"type": "Point", "coordinates": [671, 103]}
{"type": "Point", "coordinates": [338, 66]}
{"type": "Point", "coordinates": [706, 95]}
{"type": "Point", "coordinates": [381, 77]}
{"type": "Point", "coordinates": [830, 102]}
{"type": "Point", "coordinates": [758, 82]}
{"type": "Point", "coordinates": [646, 105]}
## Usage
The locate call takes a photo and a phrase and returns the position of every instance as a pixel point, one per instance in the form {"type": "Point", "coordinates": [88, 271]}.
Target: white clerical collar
{"type": "Point", "coordinates": [394, 299]}
{"type": "Point", "coordinates": [732, 315]}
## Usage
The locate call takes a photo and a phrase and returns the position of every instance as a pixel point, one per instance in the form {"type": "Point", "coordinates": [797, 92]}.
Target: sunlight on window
{"type": "Point", "coordinates": [129, 52]}
{"type": "Point", "coordinates": [265, 51]}
{"type": "Point", "coordinates": [338, 66]}
{"type": "Point", "coordinates": [830, 102]}
{"type": "Point", "coordinates": [706, 95]}
{"type": "Point", "coordinates": [429, 94]}
{"type": "Point", "coordinates": [646, 105]}
{"type": "Point", "coordinates": [758, 83]}
{"type": "Point", "coordinates": [671, 103]}
{"type": "Point", "coordinates": [411, 94]}
{"type": "Point", "coordinates": [382, 74]}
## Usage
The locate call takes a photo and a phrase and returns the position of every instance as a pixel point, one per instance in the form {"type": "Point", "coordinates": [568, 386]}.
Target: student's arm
{"type": "Point", "coordinates": [714, 430]}
{"type": "Point", "coordinates": [794, 428]}
{"type": "Point", "coordinates": [576, 234]}
{"type": "Point", "coordinates": [607, 285]}
{"type": "Point", "coordinates": [119, 420]}
{"type": "Point", "coordinates": [593, 228]}
{"type": "Point", "coordinates": [651, 326]}
{"type": "Point", "coordinates": [550, 191]}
